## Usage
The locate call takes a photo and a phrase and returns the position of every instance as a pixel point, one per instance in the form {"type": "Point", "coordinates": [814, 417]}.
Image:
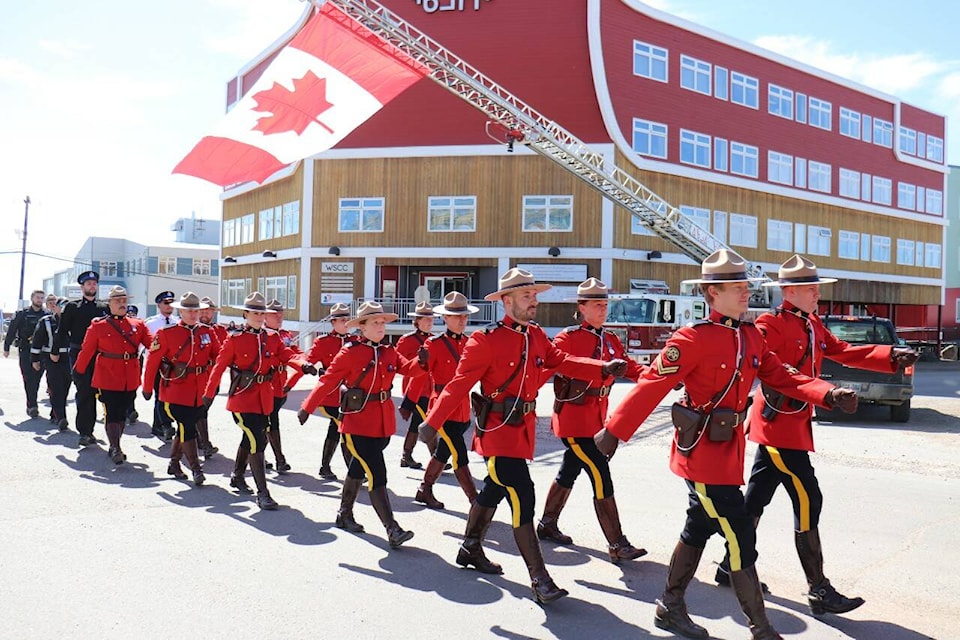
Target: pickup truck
{"type": "Point", "coordinates": [873, 387]}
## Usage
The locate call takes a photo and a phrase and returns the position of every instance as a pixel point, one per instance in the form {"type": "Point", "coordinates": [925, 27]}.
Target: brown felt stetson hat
{"type": "Point", "coordinates": [117, 292]}
{"type": "Point", "coordinates": [338, 310]}
{"type": "Point", "coordinates": [190, 300]}
{"type": "Point", "coordinates": [275, 306]}
{"type": "Point", "coordinates": [424, 310]}
{"type": "Point", "coordinates": [369, 311]}
{"type": "Point", "coordinates": [516, 280]}
{"type": "Point", "coordinates": [797, 271]}
{"type": "Point", "coordinates": [591, 289]}
{"type": "Point", "coordinates": [455, 304]}
{"type": "Point", "coordinates": [723, 265]}
{"type": "Point", "coordinates": [255, 302]}
{"type": "Point", "coordinates": [207, 300]}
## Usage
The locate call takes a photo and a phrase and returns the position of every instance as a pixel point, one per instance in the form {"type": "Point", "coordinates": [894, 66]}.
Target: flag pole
{"type": "Point", "coordinates": [23, 250]}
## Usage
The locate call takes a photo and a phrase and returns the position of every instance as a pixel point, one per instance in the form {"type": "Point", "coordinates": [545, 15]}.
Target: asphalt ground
{"type": "Point", "coordinates": [97, 551]}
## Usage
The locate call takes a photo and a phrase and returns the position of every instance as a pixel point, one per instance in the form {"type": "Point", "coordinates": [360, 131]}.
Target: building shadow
{"type": "Point", "coordinates": [93, 464]}
{"type": "Point", "coordinates": [856, 629]}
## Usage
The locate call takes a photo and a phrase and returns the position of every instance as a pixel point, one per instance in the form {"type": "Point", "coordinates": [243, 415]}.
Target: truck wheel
{"type": "Point", "coordinates": [901, 412]}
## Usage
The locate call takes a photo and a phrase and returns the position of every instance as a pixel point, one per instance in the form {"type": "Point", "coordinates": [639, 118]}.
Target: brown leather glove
{"type": "Point", "coordinates": [903, 356]}
{"type": "Point", "coordinates": [423, 357]}
{"type": "Point", "coordinates": [428, 435]}
{"type": "Point", "coordinates": [615, 368]}
{"type": "Point", "coordinates": [606, 442]}
{"type": "Point", "coordinates": [309, 369]}
{"type": "Point", "coordinates": [844, 399]}
{"type": "Point", "coordinates": [302, 416]}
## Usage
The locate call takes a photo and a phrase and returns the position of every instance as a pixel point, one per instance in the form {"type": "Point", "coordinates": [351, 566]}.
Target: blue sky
{"type": "Point", "coordinates": [101, 99]}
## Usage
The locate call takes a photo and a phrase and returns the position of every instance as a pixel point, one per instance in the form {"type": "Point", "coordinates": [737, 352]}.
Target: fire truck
{"type": "Point", "coordinates": [644, 321]}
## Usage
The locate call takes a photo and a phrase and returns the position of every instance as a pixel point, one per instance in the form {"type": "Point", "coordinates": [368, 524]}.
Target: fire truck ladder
{"type": "Point", "coordinates": [549, 139]}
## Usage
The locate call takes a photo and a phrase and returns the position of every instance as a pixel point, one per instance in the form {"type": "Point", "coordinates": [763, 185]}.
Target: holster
{"type": "Point", "coordinates": [688, 424]}
{"type": "Point", "coordinates": [481, 409]}
{"type": "Point", "coordinates": [166, 368]}
{"type": "Point", "coordinates": [352, 399]}
{"type": "Point", "coordinates": [569, 391]}
{"type": "Point", "coordinates": [774, 401]}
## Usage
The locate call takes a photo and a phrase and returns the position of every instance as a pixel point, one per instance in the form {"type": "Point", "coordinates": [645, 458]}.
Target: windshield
{"type": "Point", "coordinates": [632, 310]}
{"type": "Point", "coordinates": [865, 330]}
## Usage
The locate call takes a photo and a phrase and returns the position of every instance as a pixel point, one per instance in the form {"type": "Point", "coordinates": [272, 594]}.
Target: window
{"type": "Point", "coordinates": [906, 196]}
{"type": "Point", "coordinates": [201, 266]}
{"type": "Point", "coordinates": [849, 245]}
{"type": "Point", "coordinates": [744, 90]}
{"type": "Point", "coordinates": [908, 141]}
{"type": "Point", "coordinates": [958, 310]}
{"type": "Point", "coordinates": [850, 183]}
{"type": "Point", "coordinates": [801, 107]}
{"type": "Point", "coordinates": [700, 217]}
{"type": "Point", "coordinates": [720, 226]}
{"type": "Point", "coordinates": [849, 123]}
{"type": "Point", "coordinates": [720, 83]}
{"type": "Point", "coordinates": [921, 199]}
{"type": "Point", "coordinates": [649, 61]}
{"type": "Point", "coordinates": [779, 167]}
{"type": "Point", "coordinates": [743, 230]}
{"type": "Point", "coordinates": [292, 292]}
{"type": "Point", "coordinates": [881, 249]}
{"type": "Point", "coordinates": [882, 190]}
{"type": "Point", "coordinates": [228, 227]}
{"type": "Point", "coordinates": [744, 159]}
{"type": "Point", "coordinates": [934, 149]}
{"type": "Point", "coordinates": [779, 235]}
{"type": "Point", "coordinates": [780, 101]}
{"type": "Point", "coordinates": [866, 184]}
{"type": "Point", "coordinates": [800, 179]}
{"type": "Point", "coordinates": [694, 148]}
{"type": "Point", "coordinates": [934, 201]}
{"type": "Point", "coordinates": [452, 213]}
{"type": "Point", "coordinates": [548, 213]}
{"type": "Point", "coordinates": [933, 256]}
{"type": "Point", "coordinates": [867, 128]}
{"type": "Point", "coordinates": [640, 229]}
{"type": "Point", "coordinates": [883, 133]}
{"type": "Point", "coordinates": [921, 145]}
{"type": "Point", "coordinates": [818, 240]}
{"type": "Point", "coordinates": [167, 265]}
{"type": "Point", "coordinates": [695, 75]}
{"type": "Point", "coordinates": [275, 288]}
{"type": "Point", "coordinates": [905, 251]}
{"type": "Point", "coordinates": [865, 246]}
{"type": "Point", "coordinates": [234, 292]}
{"type": "Point", "coordinates": [820, 176]}
{"type": "Point", "coordinates": [650, 138]}
{"type": "Point", "coordinates": [720, 154]}
{"type": "Point", "coordinates": [800, 237]}
{"type": "Point", "coordinates": [291, 218]}
{"type": "Point", "coordinates": [108, 268]}
{"type": "Point", "coordinates": [361, 214]}
{"type": "Point", "coordinates": [245, 229]}
{"type": "Point", "coordinates": [821, 113]}
{"type": "Point", "coordinates": [266, 224]}
{"type": "Point", "coordinates": [920, 254]}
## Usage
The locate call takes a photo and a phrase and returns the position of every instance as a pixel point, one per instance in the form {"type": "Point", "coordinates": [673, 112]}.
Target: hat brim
{"type": "Point", "coordinates": [177, 305]}
{"type": "Point", "coordinates": [496, 295]}
{"type": "Point", "coordinates": [387, 317]}
{"type": "Point", "coordinates": [246, 308]}
{"type": "Point", "coordinates": [778, 283]}
{"type": "Point", "coordinates": [704, 281]}
{"type": "Point", "coordinates": [345, 316]}
{"type": "Point", "coordinates": [443, 311]}
{"type": "Point", "coordinates": [413, 314]}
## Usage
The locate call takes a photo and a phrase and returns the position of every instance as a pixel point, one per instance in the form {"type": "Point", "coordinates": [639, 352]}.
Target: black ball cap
{"type": "Point", "coordinates": [165, 296]}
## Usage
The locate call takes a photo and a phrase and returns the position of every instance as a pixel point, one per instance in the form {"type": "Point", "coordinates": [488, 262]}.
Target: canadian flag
{"type": "Point", "coordinates": [332, 77]}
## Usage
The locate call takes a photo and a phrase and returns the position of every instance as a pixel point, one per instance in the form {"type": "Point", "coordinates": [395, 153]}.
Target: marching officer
{"type": "Point", "coordinates": [281, 386]}
{"type": "Point", "coordinates": [578, 414]}
{"type": "Point", "coordinates": [132, 414]}
{"type": "Point", "coordinates": [162, 425]}
{"type": "Point", "coordinates": [58, 373]}
{"type": "Point", "coordinates": [509, 359]}
{"type": "Point", "coordinates": [114, 341]}
{"type": "Point", "coordinates": [783, 427]}
{"type": "Point", "coordinates": [442, 355]}
{"type": "Point", "coordinates": [208, 316]}
{"type": "Point", "coordinates": [717, 359]}
{"type": "Point", "coordinates": [21, 328]}
{"type": "Point", "coordinates": [75, 319]}
{"type": "Point", "coordinates": [416, 391]}
{"type": "Point", "coordinates": [367, 368]}
{"type": "Point", "coordinates": [182, 355]}
{"type": "Point", "coordinates": [255, 355]}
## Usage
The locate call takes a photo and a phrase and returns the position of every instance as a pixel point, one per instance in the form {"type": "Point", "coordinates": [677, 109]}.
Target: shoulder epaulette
{"type": "Point", "coordinates": [572, 328]}
{"type": "Point", "coordinates": [490, 328]}
{"type": "Point", "coordinates": [697, 323]}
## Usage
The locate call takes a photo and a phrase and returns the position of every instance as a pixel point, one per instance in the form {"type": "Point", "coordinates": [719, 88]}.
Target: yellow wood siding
{"type": "Point", "coordinates": [318, 310]}
{"type": "Point", "coordinates": [267, 197]}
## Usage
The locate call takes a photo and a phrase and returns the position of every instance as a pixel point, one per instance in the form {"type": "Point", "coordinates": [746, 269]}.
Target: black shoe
{"type": "Point", "coordinates": [158, 431]}
{"type": "Point", "coordinates": [826, 599]}
{"type": "Point", "coordinates": [327, 473]}
{"type": "Point", "coordinates": [33, 412]}
{"type": "Point", "coordinates": [86, 441]}
{"type": "Point", "coordinates": [168, 432]}
{"type": "Point", "coordinates": [238, 483]}
{"type": "Point", "coordinates": [63, 424]}
{"type": "Point", "coordinates": [132, 417]}
{"type": "Point", "coordinates": [267, 503]}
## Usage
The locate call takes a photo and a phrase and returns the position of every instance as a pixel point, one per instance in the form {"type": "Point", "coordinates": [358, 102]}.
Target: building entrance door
{"type": "Point", "coordinates": [440, 285]}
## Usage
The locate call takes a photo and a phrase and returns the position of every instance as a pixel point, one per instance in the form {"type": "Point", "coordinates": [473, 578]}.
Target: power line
{"type": "Point", "coordinates": [132, 272]}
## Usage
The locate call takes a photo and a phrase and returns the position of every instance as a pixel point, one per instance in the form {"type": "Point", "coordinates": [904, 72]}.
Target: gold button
{"type": "Point", "coordinates": [511, 364]}
{"type": "Point", "coordinates": [723, 366]}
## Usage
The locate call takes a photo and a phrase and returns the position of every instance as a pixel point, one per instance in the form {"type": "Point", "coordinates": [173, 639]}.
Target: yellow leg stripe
{"type": "Point", "coordinates": [363, 463]}
{"type": "Point", "coordinates": [592, 468]}
{"type": "Point", "coordinates": [166, 410]}
{"type": "Point", "coordinates": [336, 420]}
{"type": "Point", "coordinates": [736, 563]}
{"type": "Point", "coordinates": [247, 433]}
{"type": "Point", "coordinates": [423, 414]}
{"type": "Point", "coordinates": [802, 496]}
{"type": "Point", "coordinates": [454, 459]}
{"type": "Point", "coordinates": [180, 430]}
{"type": "Point", "coordinates": [511, 492]}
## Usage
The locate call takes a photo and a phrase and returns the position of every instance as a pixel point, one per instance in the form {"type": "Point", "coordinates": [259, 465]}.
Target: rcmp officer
{"type": "Point", "coordinates": [442, 355]}
{"type": "Point", "coordinates": [783, 428]}
{"type": "Point", "coordinates": [162, 425]}
{"type": "Point", "coordinates": [416, 391]}
{"type": "Point", "coordinates": [182, 355]}
{"type": "Point", "coordinates": [509, 359]}
{"type": "Point", "coordinates": [717, 359]}
{"type": "Point", "coordinates": [132, 414]}
{"type": "Point", "coordinates": [21, 328]}
{"type": "Point", "coordinates": [254, 355]}
{"type": "Point", "coordinates": [208, 315]}
{"type": "Point", "coordinates": [281, 387]}
{"type": "Point", "coordinates": [58, 373]}
{"type": "Point", "coordinates": [367, 368]}
{"type": "Point", "coordinates": [115, 341]}
{"type": "Point", "coordinates": [74, 322]}
{"type": "Point", "coordinates": [578, 414]}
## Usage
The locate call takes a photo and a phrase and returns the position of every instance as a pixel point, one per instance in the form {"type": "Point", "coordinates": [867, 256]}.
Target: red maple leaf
{"type": "Point", "coordinates": [293, 110]}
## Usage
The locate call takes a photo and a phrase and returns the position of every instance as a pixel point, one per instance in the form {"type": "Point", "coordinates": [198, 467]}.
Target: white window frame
{"type": "Point", "coordinates": [920, 254]}
{"type": "Point", "coordinates": [744, 159]}
{"type": "Point", "coordinates": [653, 133]}
{"type": "Point", "coordinates": [849, 183]}
{"type": "Point", "coordinates": [744, 90]}
{"type": "Point", "coordinates": [743, 230]}
{"type": "Point", "coordinates": [779, 168]}
{"type": "Point", "coordinates": [720, 154]}
{"type": "Point", "coordinates": [363, 207]}
{"type": "Point", "coordinates": [935, 149]}
{"type": "Point", "coordinates": [883, 133]}
{"type": "Point", "coordinates": [934, 201]}
{"type": "Point", "coordinates": [880, 249]}
{"type": "Point", "coordinates": [906, 196]}
{"type": "Point", "coordinates": [721, 83]}
{"type": "Point", "coordinates": [906, 252]}
{"type": "Point", "coordinates": [848, 245]}
{"type": "Point", "coordinates": [866, 187]}
{"type": "Point", "coordinates": [291, 217]}
{"type": "Point", "coordinates": [800, 173]}
{"type": "Point", "coordinates": [779, 235]}
{"type": "Point", "coordinates": [108, 269]}
{"type": "Point", "coordinates": [850, 123]}
{"type": "Point", "coordinates": [933, 255]}
{"type": "Point", "coordinates": [265, 231]}
{"type": "Point", "coordinates": [720, 226]}
{"type": "Point", "coordinates": [699, 216]}
{"type": "Point", "coordinates": [696, 75]}
{"type": "Point", "coordinates": [921, 199]}
{"type": "Point", "coordinates": [801, 107]}
{"type": "Point", "coordinates": [820, 113]}
{"type": "Point", "coordinates": [780, 101]}
{"type": "Point", "coordinates": [637, 228]}
{"type": "Point", "coordinates": [228, 231]}
{"type": "Point", "coordinates": [696, 144]}
{"type": "Point", "coordinates": [800, 237]}
{"type": "Point", "coordinates": [452, 206]}
{"type": "Point", "coordinates": [818, 240]}
{"type": "Point", "coordinates": [866, 244]}
{"type": "Point", "coordinates": [867, 129]}
{"type": "Point", "coordinates": [907, 140]}
{"type": "Point", "coordinates": [167, 265]}
{"type": "Point", "coordinates": [201, 266]}
{"type": "Point", "coordinates": [549, 206]}
{"type": "Point", "coordinates": [653, 55]}
{"type": "Point", "coordinates": [882, 190]}
{"type": "Point", "coordinates": [819, 176]}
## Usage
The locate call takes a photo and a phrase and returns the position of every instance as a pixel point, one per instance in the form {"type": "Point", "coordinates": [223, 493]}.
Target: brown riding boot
{"type": "Point", "coordinates": [239, 469]}
{"type": "Point", "coordinates": [203, 439]}
{"type": "Point", "coordinates": [259, 471]}
{"type": "Point", "coordinates": [547, 529]}
{"type": "Point", "coordinates": [351, 486]}
{"type": "Point", "coordinates": [425, 492]}
{"type": "Point", "coordinates": [409, 442]}
{"type": "Point", "coordinates": [396, 535]}
{"type": "Point", "coordinates": [544, 588]}
{"type": "Point", "coordinates": [193, 459]}
{"type": "Point", "coordinates": [821, 597]}
{"type": "Point", "coordinates": [671, 613]}
{"type": "Point", "coordinates": [471, 551]}
{"type": "Point", "coordinates": [174, 468]}
{"type": "Point", "coordinates": [273, 435]}
{"type": "Point", "coordinates": [746, 585]}
{"type": "Point", "coordinates": [114, 431]}
{"type": "Point", "coordinates": [722, 577]}
{"type": "Point", "coordinates": [618, 547]}
{"type": "Point", "coordinates": [329, 446]}
{"type": "Point", "coordinates": [465, 480]}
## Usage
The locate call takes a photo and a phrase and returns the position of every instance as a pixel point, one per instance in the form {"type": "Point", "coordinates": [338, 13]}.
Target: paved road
{"type": "Point", "coordinates": [93, 551]}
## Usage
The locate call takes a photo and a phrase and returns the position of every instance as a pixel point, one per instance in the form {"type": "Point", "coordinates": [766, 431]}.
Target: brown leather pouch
{"type": "Point", "coordinates": [688, 424]}
{"type": "Point", "coordinates": [721, 425]}
{"type": "Point", "coordinates": [481, 409]}
{"type": "Point", "coordinates": [352, 400]}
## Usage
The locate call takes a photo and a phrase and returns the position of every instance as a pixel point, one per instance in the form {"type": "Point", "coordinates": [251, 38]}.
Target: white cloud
{"type": "Point", "coordinates": [66, 49]}
{"type": "Point", "coordinates": [256, 26]}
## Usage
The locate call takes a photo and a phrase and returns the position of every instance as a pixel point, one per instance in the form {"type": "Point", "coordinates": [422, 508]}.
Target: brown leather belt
{"type": "Point", "coordinates": [438, 387]}
{"type": "Point", "coordinates": [119, 356]}
{"type": "Point", "coordinates": [380, 396]}
{"type": "Point", "coordinates": [603, 391]}
{"type": "Point", "coordinates": [524, 407]}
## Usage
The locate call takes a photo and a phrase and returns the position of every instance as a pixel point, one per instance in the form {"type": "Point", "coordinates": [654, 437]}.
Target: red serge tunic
{"type": "Point", "coordinates": [115, 341]}
{"type": "Point", "coordinates": [490, 356]}
{"type": "Point", "coordinates": [260, 351]}
{"type": "Point", "coordinates": [703, 356]}
{"type": "Point", "coordinates": [586, 419]}
{"type": "Point", "coordinates": [445, 351]}
{"type": "Point", "coordinates": [197, 348]}
{"type": "Point", "coordinates": [408, 346]}
{"type": "Point", "coordinates": [325, 348]}
{"type": "Point", "coordinates": [787, 333]}
{"type": "Point", "coordinates": [381, 362]}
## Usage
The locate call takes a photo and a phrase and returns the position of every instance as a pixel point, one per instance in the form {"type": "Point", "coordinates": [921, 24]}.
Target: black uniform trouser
{"type": "Point", "coordinates": [85, 398]}
{"type": "Point", "coordinates": [115, 404]}
{"type": "Point", "coordinates": [273, 420]}
{"type": "Point", "coordinates": [582, 455]}
{"type": "Point", "coordinates": [160, 417]}
{"type": "Point", "coordinates": [367, 460]}
{"type": "Point", "coordinates": [772, 467]}
{"type": "Point", "coordinates": [58, 377]}
{"type": "Point", "coordinates": [452, 445]}
{"type": "Point", "coordinates": [418, 411]}
{"type": "Point", "coordinates": [133, 402]}
{"type": "Point", "coordinates": [509, 478]}
{"type": "Point", "coordinates": [31, 378]}
{"type": "Point", "coordinates": [254, 426]}
{"type": "Point", "coordinates": [333, 428]}
{"type": "Point", "coordinates": [720, 508]}
{"type": "Point", "coordinates": [185, 418]}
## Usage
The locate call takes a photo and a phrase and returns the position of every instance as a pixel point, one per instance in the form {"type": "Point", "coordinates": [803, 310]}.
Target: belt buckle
{"type": "Point", "coordinates": [126, 356]}
{"type": "Point", "coordinates": [384, 395]}
{"type": "Point", "coordinates": [259, 378]}
{"type": "Point", "coordinates": [736, 419]}
{"type": "Point", "coordinates": [528, 407]}
{"type": "Point", "coordinates": [604, 391]}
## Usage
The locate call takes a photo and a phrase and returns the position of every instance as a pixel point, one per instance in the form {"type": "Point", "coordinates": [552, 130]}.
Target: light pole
{"type": "Point", "coordinates": [23, 250]}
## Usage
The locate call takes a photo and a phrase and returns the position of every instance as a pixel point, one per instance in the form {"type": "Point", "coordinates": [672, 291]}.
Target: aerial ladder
{"type": "Point", "coordinates": [526, 126]}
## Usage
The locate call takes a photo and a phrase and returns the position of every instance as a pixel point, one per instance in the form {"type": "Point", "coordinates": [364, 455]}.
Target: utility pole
{"type": "Point", "coordinates": [23, 251]}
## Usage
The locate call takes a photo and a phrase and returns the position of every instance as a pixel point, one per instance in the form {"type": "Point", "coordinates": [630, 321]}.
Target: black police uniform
{"type": "Point", "coordinates": [21, 329]}
{"type": "Point", "coordinates": [58, 373]}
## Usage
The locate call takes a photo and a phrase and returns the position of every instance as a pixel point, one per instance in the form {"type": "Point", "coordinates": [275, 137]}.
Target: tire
{"type": "Point", "coordinates": [900, 412]}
